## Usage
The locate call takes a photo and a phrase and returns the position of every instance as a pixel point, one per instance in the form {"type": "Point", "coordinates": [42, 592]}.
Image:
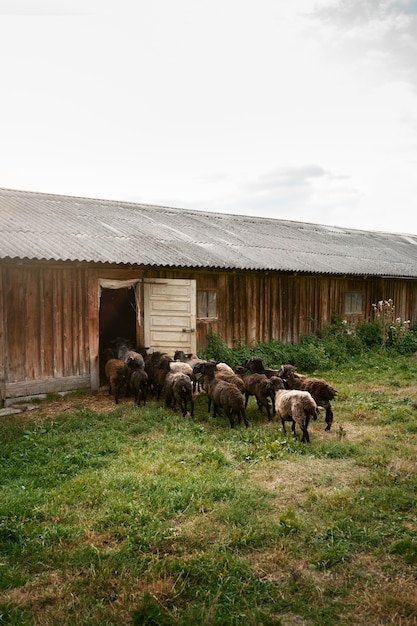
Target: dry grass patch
{"type": "Point", "coordinates": [384, 595]}
{"type": "Point", "coordinates": [292, 481]}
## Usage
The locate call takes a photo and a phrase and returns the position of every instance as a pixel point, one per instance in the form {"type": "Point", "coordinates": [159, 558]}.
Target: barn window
{"type": "Point", "coordinates": [353, 302]}
{"type": "Point", "coordinates": [206, 304]}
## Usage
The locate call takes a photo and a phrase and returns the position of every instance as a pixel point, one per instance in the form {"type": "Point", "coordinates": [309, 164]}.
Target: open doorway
{"type": "Point", "coordinates": [118, 315]}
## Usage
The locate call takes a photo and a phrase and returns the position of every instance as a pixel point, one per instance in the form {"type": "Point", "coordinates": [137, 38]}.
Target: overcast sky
{"type": "Point", "coordinates": [293, 109]}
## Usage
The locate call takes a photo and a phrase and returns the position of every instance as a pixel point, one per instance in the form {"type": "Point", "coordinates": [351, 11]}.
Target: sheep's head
{"type": "Point", "coordinates": [208, 367]}
{"type": "Point", "coordinates": [285, 371]}
{"type": "Point", "coordinates": [254, 364]}
{"type": "Point", "coordinates": [276, 383]}
{"type": "Point", "coordinates": [164, 363]}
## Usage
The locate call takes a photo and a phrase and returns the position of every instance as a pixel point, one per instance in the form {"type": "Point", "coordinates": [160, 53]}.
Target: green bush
{"type": "Point", "coordinates": [334, 344]}
{"type": "Point", "coordinates": [370, 334]}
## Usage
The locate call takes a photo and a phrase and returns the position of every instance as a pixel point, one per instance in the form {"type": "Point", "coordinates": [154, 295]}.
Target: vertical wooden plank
{"type": "Point", "coordinates": [83, 322]}
{"type": "Point", "coordinates": [67, 286]}
{"type": "Point", "coordinates": [57, 323]}
{"type": "Point", "coordinates": [47, 323]}
{"type": "Point", "coordinates": [15, 304]}
{"type": "Point", "coordinates": [3, 364]}
{"type": "Point", "coordinates": [93, 329]}
{"type": "Point", "coordinates": [79, 321]}
{"type": "Point", "coordinates": [33, 358]}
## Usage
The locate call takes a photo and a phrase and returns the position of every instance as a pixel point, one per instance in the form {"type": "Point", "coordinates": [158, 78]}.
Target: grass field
{"type": "Point", "coordinates": [126, 515]}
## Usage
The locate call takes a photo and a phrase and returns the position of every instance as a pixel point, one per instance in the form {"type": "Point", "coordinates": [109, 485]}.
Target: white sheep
{"type": "Point", "coordinates": [296, 407]}
{"type": "Point", "coordinates": [320, 389]}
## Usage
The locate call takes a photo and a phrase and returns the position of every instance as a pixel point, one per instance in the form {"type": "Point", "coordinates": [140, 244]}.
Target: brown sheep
{"type": "Point", "coordinates": [139, 385]}
{"type": "Point", "coordinates": [178, 389]}
{"type": "Point", "coordinates": [116, 374]}
{"type": "Point", "coordinates": [260, 386]}
{"type": "Point", "coordinates": [223, 394]}
{"type": "Point", "coordinates": [255, 365]}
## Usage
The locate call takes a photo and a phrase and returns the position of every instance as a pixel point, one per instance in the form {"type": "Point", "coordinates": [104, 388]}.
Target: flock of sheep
{"type": "Point", "coordinates": [293, 397]}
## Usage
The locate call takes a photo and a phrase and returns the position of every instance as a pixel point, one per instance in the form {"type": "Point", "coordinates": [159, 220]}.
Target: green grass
{"type": "Point", "coordinates": [126, 515]}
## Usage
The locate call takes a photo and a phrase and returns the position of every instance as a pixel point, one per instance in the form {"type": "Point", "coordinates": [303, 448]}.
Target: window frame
{"type": "Point", "coordinates": [353, 303]}
{"type": "Point", "coordinates": [209, 306]}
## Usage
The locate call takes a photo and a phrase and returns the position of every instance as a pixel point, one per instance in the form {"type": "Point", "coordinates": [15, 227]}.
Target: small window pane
{"type": "Point", "coordinates": [353, 302]}
{"type": "Point", "coordinates": [206, 304]}
{"type": "Point", "coordinates": [211, 304]}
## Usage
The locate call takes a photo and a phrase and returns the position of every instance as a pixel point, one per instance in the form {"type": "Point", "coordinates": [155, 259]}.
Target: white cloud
{"type": "Point", "coordinates": [381, 34]}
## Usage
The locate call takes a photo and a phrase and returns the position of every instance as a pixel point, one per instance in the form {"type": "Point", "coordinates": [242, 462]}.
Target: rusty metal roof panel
{"type": "Point", "coordinates": [65, 228]}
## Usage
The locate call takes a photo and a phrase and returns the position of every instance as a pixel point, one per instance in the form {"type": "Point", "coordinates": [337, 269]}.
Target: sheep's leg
{"type": "Point", "coordinates": [305, 438]}
{"type": "Point", "coordinates": [229, 413]}
{"type": "Point", "coordinates": [268, 410]}
{"type": "Point", "coordinates": [246, 399]}
{"type": "Point", "coordinates": [192, 408]}
{"type": "Point", "coordinates": [116, 393]}
{"type": "Point", "coordinates": [293, 431]}
{"type": "Point", "coordinates": [283, 426]}
{"type": "Point", "coordinates": [304, 427]}
{"type": "Point", "coordinates": [329, 416]}
{"type": "Point", "coordinates": [264, 402]}
{"type": "Point", "coordinates": [245, 419]}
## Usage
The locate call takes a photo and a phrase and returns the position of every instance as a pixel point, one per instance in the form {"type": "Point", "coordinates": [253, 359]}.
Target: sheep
{"type": "Point", "coordinates": [178, 389]}
{"type": "Point", "coordinates": [255, 365]}
{"type": "Point", "coordinates": [223, 394]}
{"type": "Point", "coordinates": [297, 407]}
{"type": "Point", "coordinates": [162, 367]}
{"type": "Point", "coordinates": [139, 385]}
{"type": "Point", "coordinates": [151, 361]}
{"type": "Point", "coordinates": [224, 367]}
{"type": "Point", "coordinates": [231, 377]}
{"type": "Point", "coordinates": [192, 360]}
{"type": "Point", "coordinates": [180, 367]}
{"type": "Point", "coordinates": [160, 370]}
{"type": "Point", "coordinates": [133, 359]}
{"type": "Point", "coordinates": [320, 389]}
{"type": "Point", "coordinates": [260, 386]}
{"type": "Point", "coordinates": [116, 374]}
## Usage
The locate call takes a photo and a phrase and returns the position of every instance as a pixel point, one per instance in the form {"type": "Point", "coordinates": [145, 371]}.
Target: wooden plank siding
{"type": "Point", "coordinates": [49, 314]}
{"type": "Point", "coordinates": [45, 322]}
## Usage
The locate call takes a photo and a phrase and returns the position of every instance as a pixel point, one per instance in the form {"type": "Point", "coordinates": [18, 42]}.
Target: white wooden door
{"type": "Point", "coordinates": [170, 315]}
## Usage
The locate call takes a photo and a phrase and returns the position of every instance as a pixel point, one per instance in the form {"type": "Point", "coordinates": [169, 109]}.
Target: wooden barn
{"type": "Point", "coordinates": [77, 272]}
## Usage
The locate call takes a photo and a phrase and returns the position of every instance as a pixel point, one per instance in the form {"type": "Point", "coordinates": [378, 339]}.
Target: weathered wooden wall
{"type": "Point", "coordinates": [49, 314]}
{"type": "Point", "coordinates": [262, 306]}
{"type": "Point", "coordinates": [45, 328]}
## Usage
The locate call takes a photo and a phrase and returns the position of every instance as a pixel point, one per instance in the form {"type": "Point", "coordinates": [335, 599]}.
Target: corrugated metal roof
{"type": "Point", "coordinates": [44, 226]}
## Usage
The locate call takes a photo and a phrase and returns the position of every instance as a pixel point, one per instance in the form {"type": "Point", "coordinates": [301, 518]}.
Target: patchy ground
{"type": "Point", "coordinates": [100, 401]}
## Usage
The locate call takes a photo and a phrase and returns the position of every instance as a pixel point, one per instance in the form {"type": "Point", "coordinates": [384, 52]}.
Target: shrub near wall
{"type": "Point", "coordinates": [335, 344]}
